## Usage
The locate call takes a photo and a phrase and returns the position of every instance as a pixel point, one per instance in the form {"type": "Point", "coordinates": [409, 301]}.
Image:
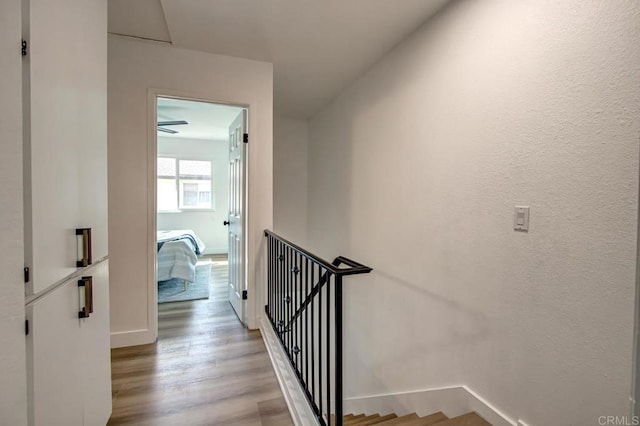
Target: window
{"type": "Point", "coordinates": [184, 184]}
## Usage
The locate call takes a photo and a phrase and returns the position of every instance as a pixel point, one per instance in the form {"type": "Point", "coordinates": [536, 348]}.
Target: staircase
{"type": "Point", "coordinates": [305, 309]}
{"type": "Point", "coordinates": [435, 419]}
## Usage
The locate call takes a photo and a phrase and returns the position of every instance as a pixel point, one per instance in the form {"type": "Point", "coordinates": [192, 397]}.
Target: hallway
{"type": "Point", "coordinates": [205, 369]}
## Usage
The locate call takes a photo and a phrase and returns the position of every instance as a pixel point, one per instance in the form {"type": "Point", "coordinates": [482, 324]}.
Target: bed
{"type": "Point", "coordinates": [178, 252]}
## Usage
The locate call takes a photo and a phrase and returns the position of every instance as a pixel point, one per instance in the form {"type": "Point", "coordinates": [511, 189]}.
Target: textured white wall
{"type": "Point", "coordinates": [208, 225]}
{"type": "Point", "coordinates": [13, 386]}
{"type": "Point", "coordinates": [290, 140]}
{"type": "Point", "coordinates": [415, 171]}
{"type": "Point", "coordinates": [134, 68]}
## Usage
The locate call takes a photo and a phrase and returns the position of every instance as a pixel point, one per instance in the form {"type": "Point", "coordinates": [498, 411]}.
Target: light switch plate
{"type": "Point", "coordinates": [521, 218]}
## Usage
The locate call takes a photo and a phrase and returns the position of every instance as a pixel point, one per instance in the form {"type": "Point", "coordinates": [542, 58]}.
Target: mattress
{"type": "Point", "coordinates": [178, 252]}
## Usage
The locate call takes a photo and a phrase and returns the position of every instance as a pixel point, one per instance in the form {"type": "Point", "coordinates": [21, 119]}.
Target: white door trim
{"type": "Point", "coordinates": [152, 147]}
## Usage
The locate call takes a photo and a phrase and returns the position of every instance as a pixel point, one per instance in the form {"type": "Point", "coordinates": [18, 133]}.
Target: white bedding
{"type": "Point", "coordinates": [177, 255]}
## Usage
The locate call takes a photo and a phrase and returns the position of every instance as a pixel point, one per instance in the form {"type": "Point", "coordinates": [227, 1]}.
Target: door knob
{"type": "Point", "coordinates": [225, 223]}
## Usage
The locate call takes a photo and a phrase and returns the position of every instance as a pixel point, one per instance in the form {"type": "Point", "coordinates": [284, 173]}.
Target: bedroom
{"type": "Point", "coordinates": [192, 190]}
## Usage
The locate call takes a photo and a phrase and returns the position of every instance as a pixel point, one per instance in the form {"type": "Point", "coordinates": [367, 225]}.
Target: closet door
{"type": "Point", "coordinates": [95, 351]}
{"type": "Point", "coordinates": [69, 358]}
{"type": "Point", "coordinates": [54, 362]}
{"type": "Point", "coordinates": [65, 134]}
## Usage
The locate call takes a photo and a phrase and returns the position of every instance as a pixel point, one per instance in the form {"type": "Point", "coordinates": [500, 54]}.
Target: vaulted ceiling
{"type": "Point", "coordinates": [317, 47]}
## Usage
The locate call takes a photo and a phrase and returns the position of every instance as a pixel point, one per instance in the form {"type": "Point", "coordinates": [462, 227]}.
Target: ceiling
{"type": "Point", "coordinates": [206, 120]}
{"type": "Point", "coordinates": [317, 47]}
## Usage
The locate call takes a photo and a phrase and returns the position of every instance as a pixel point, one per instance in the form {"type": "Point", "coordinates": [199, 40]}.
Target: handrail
{"type": "Point", "coordinates": [355, 267]}
{"type": "Point", "coordinates": [306, 315]}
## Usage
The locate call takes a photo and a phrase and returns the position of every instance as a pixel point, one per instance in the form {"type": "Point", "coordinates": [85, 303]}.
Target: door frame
{"type": "Point", "coordinates": [152, 153]}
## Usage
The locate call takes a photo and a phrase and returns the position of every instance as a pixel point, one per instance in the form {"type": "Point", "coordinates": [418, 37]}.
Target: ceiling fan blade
{"type": "Point", "coordinates": [171, 123]}
{"type": "Point", "coordinates": [171, 132]}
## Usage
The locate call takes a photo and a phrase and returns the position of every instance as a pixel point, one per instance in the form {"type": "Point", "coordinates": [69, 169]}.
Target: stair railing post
{"type": "Point", "coordinates": [338, 345]}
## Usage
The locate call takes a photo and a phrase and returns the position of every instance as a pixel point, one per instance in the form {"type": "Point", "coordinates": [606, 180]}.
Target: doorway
{"type": "Point", "coordinates": [199, 187]}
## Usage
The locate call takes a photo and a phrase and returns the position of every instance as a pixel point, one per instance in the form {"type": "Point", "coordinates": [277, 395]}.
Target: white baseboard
{"type": "Point", "coordinates": [452, 401]}
{"type": "Point", "coordinates": [301, 414]}
{"type": "Point", "coordinates": [132, 338]}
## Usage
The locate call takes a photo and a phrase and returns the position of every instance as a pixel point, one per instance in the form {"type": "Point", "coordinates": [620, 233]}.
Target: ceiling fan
{"type": "Point", "coordinates": [162, 124]}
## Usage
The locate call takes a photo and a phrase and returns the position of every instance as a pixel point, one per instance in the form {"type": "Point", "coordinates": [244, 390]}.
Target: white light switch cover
{"type": "Point", "coordinates": [521, 218]}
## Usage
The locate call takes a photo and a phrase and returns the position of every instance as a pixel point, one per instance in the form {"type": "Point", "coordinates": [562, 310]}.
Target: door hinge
{"type": "Point", "coordinates": [26, 275]}
{"type": "Point", "coordinates": [245, 138]}
{"type": "Point", "coordinates": [26, 327]}
{"type": "Point", "coordinates": [244, 294]}
{"type": "Point", "coordinates": [24, 47]}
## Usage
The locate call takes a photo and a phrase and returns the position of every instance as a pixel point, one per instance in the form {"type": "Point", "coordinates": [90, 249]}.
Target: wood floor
{"type": "Point", "coordinates": [205, 369]}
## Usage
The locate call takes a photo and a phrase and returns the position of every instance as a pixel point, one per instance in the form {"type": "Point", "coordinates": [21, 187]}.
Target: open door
{"type": "Point", "coordinates": [237, 214]}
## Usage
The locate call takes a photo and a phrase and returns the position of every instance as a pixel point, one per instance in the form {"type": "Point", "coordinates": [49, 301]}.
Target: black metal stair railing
{"type": "Point", "coordinates": [304, 306]}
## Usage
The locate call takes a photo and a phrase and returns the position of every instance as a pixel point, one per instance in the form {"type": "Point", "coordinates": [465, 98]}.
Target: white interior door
{"type": "Point", "coordinates": [69, 358]}
{"type": "Point", "coordinates": [55, 358]}
{"type": "Point", "coordinates": [237, 213]}
{"type": "Point", "coordinates": [96, 352]}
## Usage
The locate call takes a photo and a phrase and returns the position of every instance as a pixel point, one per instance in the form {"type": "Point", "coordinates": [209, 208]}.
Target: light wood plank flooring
{"type": "Point", "coordinates": [205, 369]}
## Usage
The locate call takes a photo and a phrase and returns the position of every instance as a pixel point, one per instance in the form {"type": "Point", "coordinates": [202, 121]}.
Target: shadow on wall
{"type": "Point", "coordinates": [373, 320]}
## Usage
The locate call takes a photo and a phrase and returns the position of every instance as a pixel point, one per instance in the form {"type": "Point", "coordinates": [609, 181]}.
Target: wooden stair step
{"type": "Point", "coordinates": [402, 420]}
{"type": "Point", "coordinates": [431, 419]}
{"type": "Point", "coordinates": [359, 421]}
{"type": "Point", "coordinates": [351, 417]}
{"type": "Point", "coordinates": [379, 420]}
{"type": "Point", "coordinates": [469, 419]}
{"type": "Point", "coordinates": [435, 419]}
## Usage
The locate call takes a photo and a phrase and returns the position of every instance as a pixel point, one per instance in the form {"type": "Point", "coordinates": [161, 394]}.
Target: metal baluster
{"type": "Point", "coordinates": [294, 308]}
{"type": "Point", "coordinates": [269, 278]}
{"type": "Point", "coordinates": [289, 305]}
{"type": "Point", "coordinates": [270, 272]}
{"type": "Point", "coordinates": [276, 277]}
{"type": "Point", "coordinates": [287, 283]}
{"type": "Point", "coordinates": [320, 342]}
{"type": "Point", "coordinates": [292, 304]}
{"type": "Point", "coordinates": [299, 311]}
{"type": "Point", "coordinates": [339, 360]}
{"type": "Point", "coordinates": [280, 295]}
{"type": "Point", "coordinates": [271, 256]}
{"type": "Point", "coordinates": [313, 333]}
{"type": "Point", "coordinates": [328, 333]}
{"type": "Point", "coordinates": [284, 297]}
{"type": "Point", "coordinates": [306, 321]}
{"type": "Point", "coordinates": [276, 263]}
{"type": "Point", "coordinates": [274, 273]}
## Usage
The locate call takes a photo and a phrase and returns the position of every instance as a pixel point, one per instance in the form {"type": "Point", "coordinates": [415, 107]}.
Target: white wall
{"type": "Point", "coordinates": [208, 225]}
{"type": "Point", "coordinates": [290, 140]}
{"type": "Point", "coordinates": [415, 171]}
{"type": "Point", "coordinates": [136, 67]}
{"type": "Point", "coordinates": [13, 386]}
